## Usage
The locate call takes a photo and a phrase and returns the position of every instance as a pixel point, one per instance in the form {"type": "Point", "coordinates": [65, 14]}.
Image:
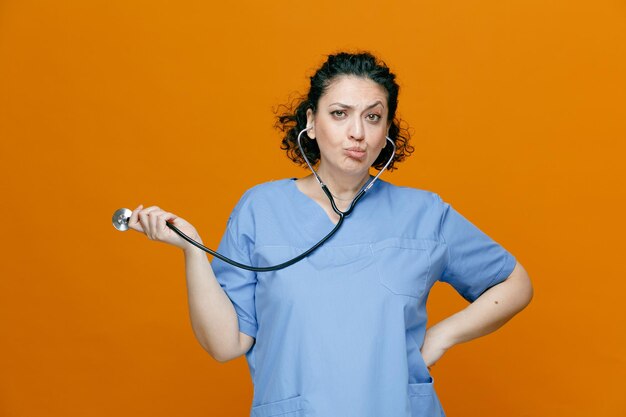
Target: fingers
{"type": "Point", "coordinates": [147, 220]}
{"type": "Point", "coordinates": [133, 221]}
{"type": "Point", "coordinates": [152, 217]}
{"type": "Point", "coordinates": [157, 224]}
{"type": "Point", "coordinates": [152, 220]}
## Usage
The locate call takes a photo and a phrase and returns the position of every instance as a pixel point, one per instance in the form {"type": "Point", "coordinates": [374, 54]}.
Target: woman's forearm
{"type": "Point", "coordinates": [213, 317]}
{"type": "Point", "coordinates": [487, 313]}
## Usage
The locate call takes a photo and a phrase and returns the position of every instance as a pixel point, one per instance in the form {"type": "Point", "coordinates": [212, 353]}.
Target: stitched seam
{"type": "Point", "coordinates": [441, 236]}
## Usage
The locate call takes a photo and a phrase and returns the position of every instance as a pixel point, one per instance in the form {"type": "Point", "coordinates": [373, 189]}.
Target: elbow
{"type": "Point", "coordinates": [220, 357]}
{"type": "Point", "coordinates": [530, 292]}
{"type": "Point", "coordinates": [225, 353]}
{"type": "Point", "coordinates": [524, 287]}
{"type": "Point", "coordinates": [214, 351]}
{"type": "Point", "coordinates": [223, 358]}
{"type": "Point", "coordinates": [525, 295]}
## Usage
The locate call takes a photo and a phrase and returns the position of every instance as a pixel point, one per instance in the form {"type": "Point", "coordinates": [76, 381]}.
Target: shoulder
{"type": "Point", "coordinates": [414, 212]}
{"type": "Point", "coordinates": [267, 190]}
{"type": "Point", "coordinates": [410, 196]}
{"type": "Point", "coordinates": [262, 196]}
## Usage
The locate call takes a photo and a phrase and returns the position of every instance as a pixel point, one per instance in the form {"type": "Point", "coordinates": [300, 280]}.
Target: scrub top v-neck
{"type": "Point", "coordinates": [339, 333]}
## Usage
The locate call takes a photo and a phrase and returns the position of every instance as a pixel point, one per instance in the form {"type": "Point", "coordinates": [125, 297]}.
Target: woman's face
{"type": "Point", "coordinates": [350, 125]}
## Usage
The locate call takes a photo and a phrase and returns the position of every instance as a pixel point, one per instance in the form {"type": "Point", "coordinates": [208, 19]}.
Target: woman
{"type": "Point", "coordinates": [342, 332]}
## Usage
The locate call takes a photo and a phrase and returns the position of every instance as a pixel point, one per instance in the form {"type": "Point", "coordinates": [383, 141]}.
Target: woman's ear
{"type": "Point", "coordinates": [310, 123]}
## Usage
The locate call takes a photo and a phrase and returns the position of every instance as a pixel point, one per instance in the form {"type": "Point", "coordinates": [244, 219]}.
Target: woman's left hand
{"type": "Point", "coordinates": [435, 345]}
{"type": "Point", "coordinates": [484, 315]}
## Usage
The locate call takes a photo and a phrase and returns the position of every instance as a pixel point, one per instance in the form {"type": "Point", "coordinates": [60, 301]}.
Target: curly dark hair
{"type": "Point", "coordinates": [292, 119]}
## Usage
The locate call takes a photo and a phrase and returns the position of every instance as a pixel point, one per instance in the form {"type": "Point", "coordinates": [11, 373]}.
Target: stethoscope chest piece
{"type": "Point", "coordinates": [120, 219]}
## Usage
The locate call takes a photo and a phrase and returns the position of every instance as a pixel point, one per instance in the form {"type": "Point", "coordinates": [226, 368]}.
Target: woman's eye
{"type": "Point", "coordinates": [373, 117]}
{"type": "Point", "coordinates": [338, 113]}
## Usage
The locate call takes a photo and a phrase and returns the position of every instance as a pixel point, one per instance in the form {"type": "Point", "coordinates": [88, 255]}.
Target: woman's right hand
{"type": "Point", "coordinates": [151, 221]}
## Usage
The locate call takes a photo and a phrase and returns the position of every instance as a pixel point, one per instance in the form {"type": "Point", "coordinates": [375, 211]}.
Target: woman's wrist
{"type": "Point", "coordinates": [442, 335]}
{"type": "Point", "coordinates": [190, 249]}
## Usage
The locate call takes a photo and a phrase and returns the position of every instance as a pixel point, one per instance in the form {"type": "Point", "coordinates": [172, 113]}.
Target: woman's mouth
{"type": "Point", "coordinates": [356, 153]}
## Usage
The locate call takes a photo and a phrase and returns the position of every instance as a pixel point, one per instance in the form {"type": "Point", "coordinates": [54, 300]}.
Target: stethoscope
{"type": "Point", "coordinates": [122, 216]}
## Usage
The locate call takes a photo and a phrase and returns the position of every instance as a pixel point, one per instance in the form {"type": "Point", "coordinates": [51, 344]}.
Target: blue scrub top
{"type": "Point", "coordinates": [339, 333]}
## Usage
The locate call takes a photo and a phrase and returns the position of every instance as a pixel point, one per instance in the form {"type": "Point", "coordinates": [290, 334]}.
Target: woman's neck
{"type": "Point", "coordinates": [343, 187]}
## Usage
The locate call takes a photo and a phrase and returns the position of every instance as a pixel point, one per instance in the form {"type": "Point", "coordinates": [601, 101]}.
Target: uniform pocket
{"type": "Point", "coordinates": [291, 407]}
{"type": "Point", "coordinates": [403, 265]}
{"type": "Point", "coordinates": [424, 402]}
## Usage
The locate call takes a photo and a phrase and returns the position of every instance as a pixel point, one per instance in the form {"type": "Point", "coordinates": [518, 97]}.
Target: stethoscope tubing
{"type": "Point", "coordinates": [257, 268]}
{"type": "Point", "coordinates": [341, 214]}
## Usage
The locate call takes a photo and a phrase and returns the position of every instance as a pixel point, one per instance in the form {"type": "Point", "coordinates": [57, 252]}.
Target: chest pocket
{"type": "Point", "coordinates": [403, 265]}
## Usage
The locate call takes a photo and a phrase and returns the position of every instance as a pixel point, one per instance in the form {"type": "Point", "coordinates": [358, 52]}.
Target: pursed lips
{"type": "Point", "coordinates": [355, 152]}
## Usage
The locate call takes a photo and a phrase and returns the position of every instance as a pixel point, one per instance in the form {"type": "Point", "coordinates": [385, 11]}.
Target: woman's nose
{"type": "Point", "coordinates": [357, 131]}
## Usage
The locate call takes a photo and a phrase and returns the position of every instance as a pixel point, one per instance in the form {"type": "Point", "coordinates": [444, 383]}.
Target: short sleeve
{"type": "Point", "coordinates": [238, 284]}
{"type": "Point", "coordinates": [475, 262]}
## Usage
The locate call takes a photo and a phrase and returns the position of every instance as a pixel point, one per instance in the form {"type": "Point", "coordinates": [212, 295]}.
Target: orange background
{"type": "Point", "coordinates": [518, 112]}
